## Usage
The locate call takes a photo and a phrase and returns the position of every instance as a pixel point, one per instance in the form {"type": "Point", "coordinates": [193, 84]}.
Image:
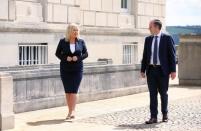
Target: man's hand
{"type": "Point", "coordinates": [69, 59]}
{"type": "Point", "coordinates": [75, 58]}
{"type": "Point", "coordinates": [142, 74]}
{"type": "Point", "coordinates": [173, 75]}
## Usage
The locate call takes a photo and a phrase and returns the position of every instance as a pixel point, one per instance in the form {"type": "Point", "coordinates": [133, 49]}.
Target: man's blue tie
{"type": "Point", "coordinates": [155, 50]}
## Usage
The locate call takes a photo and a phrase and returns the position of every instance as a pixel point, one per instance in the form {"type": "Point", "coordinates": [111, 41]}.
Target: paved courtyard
{"type": "Point", "coordinates": [185, 114]}
{"type": "Point", "coordinates": [125, 113]}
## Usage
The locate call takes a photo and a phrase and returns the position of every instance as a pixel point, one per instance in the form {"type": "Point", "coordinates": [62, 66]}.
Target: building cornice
{"type": "Point", "coordinates": [61, 28]}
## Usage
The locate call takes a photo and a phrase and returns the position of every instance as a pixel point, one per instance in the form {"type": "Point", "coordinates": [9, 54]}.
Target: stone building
{"type": "Point", "coordinates": [30, 31]}
{"type": "Point", "coordinates": [113, 29]}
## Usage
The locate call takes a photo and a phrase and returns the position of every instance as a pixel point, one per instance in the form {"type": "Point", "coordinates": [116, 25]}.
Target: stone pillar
{"type": "Point", "coordinates": [12, 10]}
{"type": "Point", "coordinates": [6, 102]}
{"type": "Point", "coordinates": [4, 10]}
{"type": "Point", "coordinates": [190, 60]}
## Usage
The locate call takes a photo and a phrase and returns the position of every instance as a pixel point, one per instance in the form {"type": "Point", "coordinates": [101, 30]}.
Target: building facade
{"type": "Point", "coordinates": [113, 29]}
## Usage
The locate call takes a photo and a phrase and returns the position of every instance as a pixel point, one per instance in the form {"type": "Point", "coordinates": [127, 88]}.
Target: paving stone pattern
{"type": "Point", "coordinates": [184, 115]}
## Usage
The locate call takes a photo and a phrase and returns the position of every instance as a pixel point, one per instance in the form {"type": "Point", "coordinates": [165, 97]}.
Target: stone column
{"type": "Point", "coordinates": [6, 102]}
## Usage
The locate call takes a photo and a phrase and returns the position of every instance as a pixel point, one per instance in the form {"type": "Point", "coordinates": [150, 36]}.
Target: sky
{"type": "Point", "coordinates": [183, 12]}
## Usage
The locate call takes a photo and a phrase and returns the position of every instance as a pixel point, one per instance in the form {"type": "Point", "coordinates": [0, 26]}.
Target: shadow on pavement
{"type": "Point", "coordinates": [48, 122]}
{"type": "Point", "coordinates": [137, 126]}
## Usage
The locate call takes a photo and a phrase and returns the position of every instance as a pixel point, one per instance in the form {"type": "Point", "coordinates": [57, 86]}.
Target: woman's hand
{"type": "Point", "coordinates": [173, 75]}
{"type": "Point", "coordinates": [75, 58]}
{"type": "Point", "coordinates": [69, 59]}
{"type": "Point", "coordinates": [143, 75]}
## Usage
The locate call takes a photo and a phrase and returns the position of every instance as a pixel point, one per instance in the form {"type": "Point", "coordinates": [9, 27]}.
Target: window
{"type": "Point", "coordinates": [124, 4]}
{"type": "Point", "coordinates": [33, 54]}
{"type": "Point", "coordinates": [130, 53]}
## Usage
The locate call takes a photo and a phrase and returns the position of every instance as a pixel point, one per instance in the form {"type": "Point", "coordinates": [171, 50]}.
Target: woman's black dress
{"type": "Point", "coordinates": [71, 72]}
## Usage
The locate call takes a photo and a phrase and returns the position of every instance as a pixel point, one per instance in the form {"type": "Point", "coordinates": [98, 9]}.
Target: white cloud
{"type": "Point", "coordinates": [183, 12]}
{"type": "Point", "coordinates": [183, 20]}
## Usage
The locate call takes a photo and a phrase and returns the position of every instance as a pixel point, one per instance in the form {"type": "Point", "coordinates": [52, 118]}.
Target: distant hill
{"type": "Point", "coordinates": [175, 31]}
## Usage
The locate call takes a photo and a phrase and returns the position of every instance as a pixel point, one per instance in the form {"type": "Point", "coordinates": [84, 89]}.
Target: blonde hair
{"type": "Point", "coordinates": [70, 29]}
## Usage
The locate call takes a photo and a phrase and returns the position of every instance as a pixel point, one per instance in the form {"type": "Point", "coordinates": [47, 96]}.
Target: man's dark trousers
{"type": "Point", "coordinates": [157, 83]}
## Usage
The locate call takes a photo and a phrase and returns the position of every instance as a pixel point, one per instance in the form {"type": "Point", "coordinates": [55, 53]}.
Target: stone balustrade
{"type": "Point", "coordinates": [40, 88]}
{"type": "Point", "coordinates": [190, 60]}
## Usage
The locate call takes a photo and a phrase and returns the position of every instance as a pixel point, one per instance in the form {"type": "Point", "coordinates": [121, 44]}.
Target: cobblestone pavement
{"type": "Point", "coordinates": [185, 115]}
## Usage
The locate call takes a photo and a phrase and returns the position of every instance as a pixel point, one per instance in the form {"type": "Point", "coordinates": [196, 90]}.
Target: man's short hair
{"type": "Point", "coordinates": [157, 23]}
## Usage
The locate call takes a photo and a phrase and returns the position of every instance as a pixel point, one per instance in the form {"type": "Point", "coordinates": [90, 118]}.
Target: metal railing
{"type": "Point", "coordinates": [129, 53]}
{"type": "Point", "coordinates": [33, 54]}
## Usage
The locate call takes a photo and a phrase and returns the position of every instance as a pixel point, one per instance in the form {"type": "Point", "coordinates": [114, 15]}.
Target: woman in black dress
{"type": "Point", "coordinates": [71, 51]}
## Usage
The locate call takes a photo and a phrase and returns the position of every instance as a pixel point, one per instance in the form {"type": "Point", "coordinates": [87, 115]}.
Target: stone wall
{"type": "Point", "coordinates": [41, 87]}
{"type": "Point", "coordinates": [98, 43]}
{"type": "Point", "coordinates": [27, 21]}
{"type": "Point", "coordinates": [62, 11]}
{"type": "Point", "coordinates": [190, 60]}
{"type": "Point", "coordinates": [148, 10]}
{"type": "Point", "coordinates": [94, 13]}
{"type": "Point", "coordinates": [106, 13]}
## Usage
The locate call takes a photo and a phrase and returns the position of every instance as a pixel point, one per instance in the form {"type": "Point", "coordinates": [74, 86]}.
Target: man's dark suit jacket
{"type": "Point", "coordinates": [63, 51]}
{"type": "Point", "coordinates": [167, 54]}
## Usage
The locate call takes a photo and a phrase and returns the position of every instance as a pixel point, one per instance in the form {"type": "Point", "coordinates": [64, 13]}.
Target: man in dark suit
{"type": "Point", "coordinates": [158, 63]}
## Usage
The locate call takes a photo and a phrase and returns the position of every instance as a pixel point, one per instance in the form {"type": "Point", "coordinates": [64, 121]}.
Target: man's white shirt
{"type": "Point", "coordinates": [152, 49]}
